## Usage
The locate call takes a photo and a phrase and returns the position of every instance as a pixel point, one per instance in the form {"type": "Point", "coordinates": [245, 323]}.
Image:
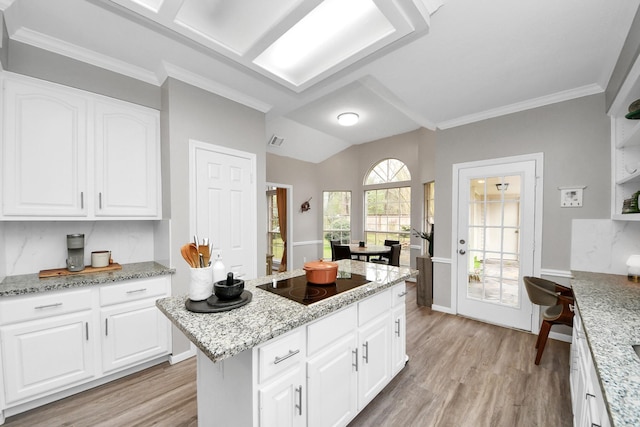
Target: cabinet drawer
{"type": "Point", "coordinates": [134, 290]}
{"type": "Point", "coordinates": [31, 307]}
{"type": "Point", "coordinates": [329, 329]}
{"type": "Point", "coordinates": [399, 293]}
{"type": "Point", "coordinates": [281, 353]}
{"type": "Point", "coordinates": [373, 306]}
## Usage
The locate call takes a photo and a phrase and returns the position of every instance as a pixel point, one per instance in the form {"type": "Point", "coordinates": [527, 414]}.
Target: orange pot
{"type": "Point", "coordinates": [321, 272]}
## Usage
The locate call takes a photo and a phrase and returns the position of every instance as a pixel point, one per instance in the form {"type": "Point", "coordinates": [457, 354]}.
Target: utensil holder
{"type": "Point", "coordinates": [201, 283]}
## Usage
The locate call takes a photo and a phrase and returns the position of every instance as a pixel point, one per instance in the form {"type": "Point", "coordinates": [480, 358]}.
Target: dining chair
{"type": "Point", "coordinates": [394, 257]}
{"type": "Point", "coordinates": [333, 244]}
{"type": "Point", "coordinates": [342, 252]}
{"type": "Point", "coordinates": [388, 243]}
{"type": "Point", "coordinates": [559, 300]}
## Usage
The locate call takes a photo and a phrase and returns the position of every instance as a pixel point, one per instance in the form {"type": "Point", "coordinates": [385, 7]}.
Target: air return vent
{"type": "Point", "coordinates": [275, 141]}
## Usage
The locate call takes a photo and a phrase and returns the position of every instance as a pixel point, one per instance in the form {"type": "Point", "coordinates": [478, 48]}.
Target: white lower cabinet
{"type": "Point", "coordinates": [587, 400]}
{"type": "Point", "coordinates": [317, 375]}
{"type": "Point", "coordinates": [57, 340]}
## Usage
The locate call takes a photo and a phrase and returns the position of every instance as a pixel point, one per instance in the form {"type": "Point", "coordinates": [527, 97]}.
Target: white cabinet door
{"type": "Point", "coordinates": [398, 340]}
{"type": "Point", "coordinates": [131, 333]}
{"type": "Point", "coordinates": [333, 384]}
{"type": "Point", "coordinates": [127, 159]}
{"type": "Point", "coordinates": [375, 358]}
{"type": "Point", "coordinates": [44, 355]}
{"type": "Point", "coordinates": [45, 151]}
{"type": "Point", "coordinates": [282, 400]}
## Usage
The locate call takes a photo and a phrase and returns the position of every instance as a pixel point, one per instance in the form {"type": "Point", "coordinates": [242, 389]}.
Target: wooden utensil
{"type": "Point", "coordinates": [185, 250]}
{"type": "Point", "coordinates": [194, 255]}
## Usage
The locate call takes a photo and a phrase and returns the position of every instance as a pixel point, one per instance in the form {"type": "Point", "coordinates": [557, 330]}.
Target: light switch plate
{"type": "Point", "coordinates": [571, 197]}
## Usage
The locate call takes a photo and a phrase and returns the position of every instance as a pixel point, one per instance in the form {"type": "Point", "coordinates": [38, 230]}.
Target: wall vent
{"type": "Point", "coordinates": [275, 141]}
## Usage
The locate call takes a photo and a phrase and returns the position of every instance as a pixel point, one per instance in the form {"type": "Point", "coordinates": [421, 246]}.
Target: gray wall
{"type": "Point", "coordinates": [345, 171]}
{"type": "Point", "coordinates": [575, 139]}
{"type": "Point", "coordinates": [191, 113]}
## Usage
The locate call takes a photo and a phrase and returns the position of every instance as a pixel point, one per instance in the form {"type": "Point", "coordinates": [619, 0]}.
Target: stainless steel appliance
{"type": "Point", "coordinates": [75, 250]}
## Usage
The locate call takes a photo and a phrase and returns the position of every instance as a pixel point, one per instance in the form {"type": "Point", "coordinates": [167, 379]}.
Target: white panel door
{"type": "Point", "coordinates": [224, 205]}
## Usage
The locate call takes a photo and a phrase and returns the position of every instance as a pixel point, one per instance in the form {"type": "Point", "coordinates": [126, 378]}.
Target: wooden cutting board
{"type": "Point", "coordinates": [57, 272]}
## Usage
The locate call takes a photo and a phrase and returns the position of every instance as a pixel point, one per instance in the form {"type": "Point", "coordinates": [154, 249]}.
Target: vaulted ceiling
{"type": "Point", "coordinates": [399, 64]}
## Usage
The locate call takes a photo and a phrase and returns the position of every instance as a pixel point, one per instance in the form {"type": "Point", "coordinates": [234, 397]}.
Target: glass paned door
{"type": "Point", "coordinates": [495, 242]}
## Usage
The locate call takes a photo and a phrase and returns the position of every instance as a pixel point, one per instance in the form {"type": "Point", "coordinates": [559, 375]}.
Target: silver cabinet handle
{"type": "Point", "coordinates": [100, 200]}
{"type": "Point", "coordinates": [355, 353]}
{"type": "Point", "coordinates": [137, 290]}
{"type": "Point", "coordinates": [106, 327]}
{"type": "Point", "coordinates": [86, 329]}
{"type": "Point", "coordinates": [398, 327]}
{"type": "Point", "coordinates": [82, 200]}
{"type": "Point", "coordinates": [40, 307]}
{"type": "Point", "coordinates": [401, 294]}
{"type": "Point", "coordinates": [288, 355]}
{"type": "Point", "coordinates": [365, 352]}
{"type": "Point", "coordinates": [299, 404]}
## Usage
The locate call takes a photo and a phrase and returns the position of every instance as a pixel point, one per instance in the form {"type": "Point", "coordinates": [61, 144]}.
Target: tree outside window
{"type": "Point", "coordinates": [336, 219]}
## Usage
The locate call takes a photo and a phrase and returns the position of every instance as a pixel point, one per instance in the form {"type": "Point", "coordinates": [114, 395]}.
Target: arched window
{"type": "Point", "coordinates": [387, 200]}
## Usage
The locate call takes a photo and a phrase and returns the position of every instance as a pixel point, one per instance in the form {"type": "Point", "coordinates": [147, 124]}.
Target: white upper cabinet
{"type": "Point", "coordinates": [127, 159]}
{"type": "Point", "coordinates": [70, 154]}
{"type": "Point", "coordinates": [45, 151]}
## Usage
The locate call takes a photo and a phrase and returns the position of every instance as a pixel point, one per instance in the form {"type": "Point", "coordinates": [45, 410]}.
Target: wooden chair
{"type": "Point", "coordinates": [560, 311]}
{"type": "Point", "coordinates": [394, 257]}
{"type": "Point", "coordinates": [342, 252]}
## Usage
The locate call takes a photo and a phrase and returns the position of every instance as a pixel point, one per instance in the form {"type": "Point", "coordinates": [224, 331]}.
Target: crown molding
{"type": "Point", "coordinates": [72, 51]}
{"type": "Point", "coordinates": [4, 4]}
{"type": "Point", "coordinates": [523, 106]}
{"type": "Point", "coordinates": [170, 70]}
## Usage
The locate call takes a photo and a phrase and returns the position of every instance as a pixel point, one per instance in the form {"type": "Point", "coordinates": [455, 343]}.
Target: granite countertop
{"type": "Point", "coordinates": [31, 283]}
{"type": "Point", "coordinates": [609, 306]}
{"type": "Point", "coordinates": [223, 335]}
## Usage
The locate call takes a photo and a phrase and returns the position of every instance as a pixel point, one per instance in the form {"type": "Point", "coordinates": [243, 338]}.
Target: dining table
{"type": "Point", "coordinates": [369, 250]}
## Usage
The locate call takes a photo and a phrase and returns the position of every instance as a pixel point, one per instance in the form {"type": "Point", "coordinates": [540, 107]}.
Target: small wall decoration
{"type": "Point", "coordinates": [305, 206]}
{"type": "Point", "coordinates": [571, 197]}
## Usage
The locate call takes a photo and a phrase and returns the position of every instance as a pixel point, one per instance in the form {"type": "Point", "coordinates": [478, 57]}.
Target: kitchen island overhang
{"type": "Point", "coordinates": [270, 357]}
{"type": "Point", "coordinates": [223, 335]}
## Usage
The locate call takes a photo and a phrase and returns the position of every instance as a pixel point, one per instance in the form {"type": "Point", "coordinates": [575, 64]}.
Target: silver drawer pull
{"type": "Point", "coordinates": [40, 307]}
{"type": "Point", "coordinates": [401, 294]}
{"type": "Point", "coordinates": [136, 291]}
{"type": "Point", "coordinates": [290, 354]}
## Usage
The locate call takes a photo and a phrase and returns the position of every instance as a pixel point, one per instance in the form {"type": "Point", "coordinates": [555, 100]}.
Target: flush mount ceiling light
{"type": "Point", "coordinates": [348, 119]}
{"type": "Point", "coordinates": [504, 186]}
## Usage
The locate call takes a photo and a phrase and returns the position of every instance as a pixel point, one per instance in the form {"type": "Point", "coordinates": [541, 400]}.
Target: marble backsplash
{"type": "Point", "coordinates": [28, 247]}
{"type": "Point", "coordinates": [603, 245]}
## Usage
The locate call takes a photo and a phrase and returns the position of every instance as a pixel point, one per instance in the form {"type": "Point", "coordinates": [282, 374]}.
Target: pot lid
{"type": "Point", "coordinates": [320, 265]}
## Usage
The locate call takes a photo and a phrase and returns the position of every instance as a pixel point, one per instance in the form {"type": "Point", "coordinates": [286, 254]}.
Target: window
{"type": "Point", "coordinates": [387, 199]}
{"type": "Point", "coordinates": [429, 213]}
{"type": "Point", "coordinates": [275, 245]}
{"type": "Point", "coordinates": [336, 219]}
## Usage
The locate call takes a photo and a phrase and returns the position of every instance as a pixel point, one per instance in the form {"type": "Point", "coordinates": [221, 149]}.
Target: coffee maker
{"type": "Point", "coordinates": [75, 250]}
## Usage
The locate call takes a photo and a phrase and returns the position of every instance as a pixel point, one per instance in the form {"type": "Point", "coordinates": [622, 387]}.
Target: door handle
{"type": "Point", "coordinates": [461, 252]}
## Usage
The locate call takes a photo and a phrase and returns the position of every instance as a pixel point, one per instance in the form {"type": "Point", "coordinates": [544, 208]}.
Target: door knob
{"type": "Point", "coordinates": [461, 252]}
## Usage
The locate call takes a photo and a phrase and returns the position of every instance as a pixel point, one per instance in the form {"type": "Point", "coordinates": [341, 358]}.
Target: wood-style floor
{"type": "Point", "coordinates": [460, 373]}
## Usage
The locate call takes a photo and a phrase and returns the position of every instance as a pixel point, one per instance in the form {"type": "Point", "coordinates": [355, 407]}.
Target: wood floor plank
{"type": "Point", "coordinates": [461, 372]}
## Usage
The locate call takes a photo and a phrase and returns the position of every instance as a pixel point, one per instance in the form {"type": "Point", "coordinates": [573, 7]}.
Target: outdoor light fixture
{"type": "Point", "coordinates": [348, 119]}
{"type": "Point", "coordinates": [504, 186]}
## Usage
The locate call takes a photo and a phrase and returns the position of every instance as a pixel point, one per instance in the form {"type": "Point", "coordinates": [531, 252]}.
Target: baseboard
{"type": "Point", "coordinates": [560, 337]}
{"type": "Point", "coordinates": [442, 309]}
{"type": "Point", "coordinates": [180, 357]}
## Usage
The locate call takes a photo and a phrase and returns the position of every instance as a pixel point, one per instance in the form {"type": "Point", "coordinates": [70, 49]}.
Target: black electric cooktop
{"type": "Point", "coordinates": [299, 290]}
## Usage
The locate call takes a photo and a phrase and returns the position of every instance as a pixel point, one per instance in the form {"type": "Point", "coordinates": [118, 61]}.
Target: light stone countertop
{"type": "Point", "coordinates": [609, 306]}
{"type": "Point", "coordinates": [223, 335]}
{"type": "Point", "coordinates": [31, 283]}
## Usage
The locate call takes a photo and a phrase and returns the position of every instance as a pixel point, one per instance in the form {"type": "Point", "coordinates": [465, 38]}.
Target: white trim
{"type": "Point", "coordinates": [289, 189]}
{"type": "Point", "coordinates": [443, 309]}
{"type": "Point", "coordinates": [566, 274]}
{"type": "Point", "coordinates": [39, 40]}
{"type": "Point", "coordinates": [180, 357]}
{"type": "Point", "coordinates": [170, 70]}
{"type": "Point", "coordinates": [560, 337]}
{"type": "Point", "coordinates": [308, 242]}
{"type": "Point", "coordinates": [619, 105]}
{"type": "Point", "coordinates": [538, 158]}
{"type": "Point", "coordinates": [441, 260]}
{"type": "Point", "coordinates": [565, 95]}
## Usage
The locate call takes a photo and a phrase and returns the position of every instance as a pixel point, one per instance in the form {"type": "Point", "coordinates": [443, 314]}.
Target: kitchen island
{"type": "Point", "coordinates": [609, 306]}
{"type": "Point", "coordinates": [279, 362]}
